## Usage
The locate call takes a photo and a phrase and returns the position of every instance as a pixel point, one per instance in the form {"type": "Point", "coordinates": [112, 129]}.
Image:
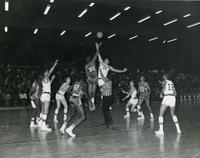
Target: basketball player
{"type": "Point", "coordinates": [60, 99]}
{"type": "Point", "coordinates": [77, 93]}
{"type": "Point", "coordinates": [91, 73]}
{"type": "Point", "coordinates": [169, 100]}
{"type": "Point", "coordinates": [144, 95]}
{"type": "Point", "coordinates": [35, 101]}
{"type": "Point", "coordinates": [132, 101]}
{"type": "Point", "coordinates": [106, 87]}
{"type": "Point", "coordinates": [46, 96]}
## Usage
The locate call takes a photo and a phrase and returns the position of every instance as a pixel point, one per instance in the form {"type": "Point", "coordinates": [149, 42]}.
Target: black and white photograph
{"type": "Point", "coordinates": [99, 79]}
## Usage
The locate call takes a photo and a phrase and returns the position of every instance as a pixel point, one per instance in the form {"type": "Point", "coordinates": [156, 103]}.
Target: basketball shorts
{"type": "Point", "coordinates": [45, 97]}
{"type": "Point", "coordinates": [169, 101]}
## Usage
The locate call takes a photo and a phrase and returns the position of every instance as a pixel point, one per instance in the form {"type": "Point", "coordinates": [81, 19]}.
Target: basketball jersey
{"type": "Point", "coordinates": [103, 70]}
{"type": "Point", "coordinates": [34, 92]}
{"type": "Point", "coordinates": [91, 69]}
{"type": "Point", "coordinates": [143, 88]}
{"type": "Point", "coordinates": [169, 88]}
{"type": "Point", "coordinates": [133, 93]}
{"type": "Point", "coordinates": [77, 88]}
{"type": "Point", "coordinates": [46, 87]}
{"type": "Point", "coordinates": [63, 89]}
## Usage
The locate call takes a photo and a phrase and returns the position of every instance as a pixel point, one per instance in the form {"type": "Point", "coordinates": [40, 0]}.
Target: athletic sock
{"type": "Point", "coordinates": [161, 121]}
{"type": "Point", "coordinates": [175, 119]}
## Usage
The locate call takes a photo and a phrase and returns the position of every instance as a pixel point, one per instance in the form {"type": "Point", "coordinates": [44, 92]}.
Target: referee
{"type": "Point", "coordinates": [106, 87]}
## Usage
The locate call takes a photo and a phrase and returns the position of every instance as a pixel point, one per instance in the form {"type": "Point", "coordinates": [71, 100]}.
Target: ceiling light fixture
{"type": "Point", "coordinates": [88, 34]}
{"type": "Point", "coordinates": [82, 13]}
{"type": "Point", "coordinates": [144, 19]}
{"type": "Point", "coordinates": [6, 28]}
{"type": "Point", "coordinates": [7, 6]}
{"type": "Point", "coordinates": [186, 15]}
{"type": "Point", "coordinates": [133, 37]}
{"type": "Point", "coordinates": [111, 35]}
{"type": "Point", "coordinates": [63, 32]}
{"type": "Point", "coordinates": [158, 12]}
{"type": "Point", "coordinates": [152, 39]}
{"type": "Point", "coordinates": [170, 22]}
{"type": "Point", "coordinates": [47, 9]}
{"type": "Point", "coordinates": [91, 4]}
{"type": "Point", "coordinates": [195, 24]}
{"type": "Point", "coordinates": [172, 40]}
{"type": "Point", "coordinates": [127, 8]}
{"type": "Point", "coordinates": [115, 16]}
{"type": "Point", "coordinates": [35, 31]}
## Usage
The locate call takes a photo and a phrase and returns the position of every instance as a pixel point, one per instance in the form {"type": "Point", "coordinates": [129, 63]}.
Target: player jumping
{"type": "Point", "coordinates": [46, 96]}
{"type": "Point", "coordinates": [91, 73]}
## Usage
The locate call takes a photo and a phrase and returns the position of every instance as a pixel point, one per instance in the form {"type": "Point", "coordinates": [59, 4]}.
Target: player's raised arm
{"type": "Point", "coordinates": [98, 52]}
{"type": "Point", "coordinates": [95, 57]}
{"type": "Point", "coordinates": [52, 78]}
{"type": "Point", "coordinates": [117, 70]}
{"type": "Point", "coordinates": [52, 68]}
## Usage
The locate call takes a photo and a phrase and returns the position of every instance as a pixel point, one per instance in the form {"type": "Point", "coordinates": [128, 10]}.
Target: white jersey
{"type": "Point", "coordinates": [133, 93]}
{"type": "Point", "coordinates": [46, 87]}
{"type": "Point", "coordinates": [169, 88]}
{"type": "Point", "coordinates": [63, 89]}
{"type": "Point", "coordinates": [104, 70]}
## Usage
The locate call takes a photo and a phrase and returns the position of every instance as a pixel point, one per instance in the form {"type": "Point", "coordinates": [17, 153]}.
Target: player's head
{"type": "Point", "coordinates": [132, 83]}
{"type": "Point", "coordinates": [165, 76]}
{"type": "Point", "coordinates": [142, 78]}
{"type": "Point", "coordinates": [46, 72]}
{"type": "Point", "coordinates": [68, 80]}
{"type": "Point", "coordinates": [88, 59]}
{"type": "Point", "coordinates": [106, 61]}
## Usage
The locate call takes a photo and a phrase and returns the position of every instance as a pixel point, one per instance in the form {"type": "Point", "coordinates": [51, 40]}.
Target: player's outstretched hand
{"type": "Point", "coordinates": [125, 69]}
{"type": "Point", "coordinates": [56, 62]}
{"type": "Point", "coordinates": [98, 45]}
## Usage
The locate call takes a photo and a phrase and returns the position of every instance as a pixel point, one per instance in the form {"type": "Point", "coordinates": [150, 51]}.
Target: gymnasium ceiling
{"type": "Point", "coordinates": [24, 16]}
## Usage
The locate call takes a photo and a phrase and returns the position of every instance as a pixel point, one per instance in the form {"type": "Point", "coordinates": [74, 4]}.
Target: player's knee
{"type": "Point", "coordinates": [175, 119]}
{"type": "Point", "coordinates": [56, 111]}
{"type": "Point", "coordinates": [160, 119]}
{"type": "Point", "coordinates": [65, 111]}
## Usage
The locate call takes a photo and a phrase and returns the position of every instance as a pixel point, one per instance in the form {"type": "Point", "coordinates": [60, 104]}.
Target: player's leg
{"type": "Point", "coordinates": [64, 125]}
{"type": "Point", "coordinates": [134, 104]}
{"type": "Point", "coordinates": [57, 109]}
{"type": "Point", "coordinates": [139, 110]}
{"type": "Point", "coordinates": [64, 102]}
{"type": "Point", "coordinates": [78, 121]}
{"type": "Point", "coordinates": [129, 103]}
{"type": "Point", "coordinates": [93, 93]}
{"type": "Point", "coordinates": [34, 115]}
{"type": "Point", "coordinates": [149, 107]}
{"type": "Point", "coordinates": [44, 119]}
{"type": "Point", "coordinates": [38, 110]}
{"type": "Point", "coordinates": [161, 120]}
{"type": "Point", "coordinates": [90, 94]}
{"type": "Point", "coordinates": [175, 119]}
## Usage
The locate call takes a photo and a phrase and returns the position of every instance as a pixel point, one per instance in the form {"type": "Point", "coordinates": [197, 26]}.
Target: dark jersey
{"type": "Point", "coordinates": [143, 89]}
{"type": "Point", "coordinates": [91, 70]}
{"type": "Point", "coordinates": [77, 89]}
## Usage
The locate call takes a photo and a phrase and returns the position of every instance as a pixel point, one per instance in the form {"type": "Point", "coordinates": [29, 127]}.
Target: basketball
{"type": "Point", "coordinates": [99, 34]}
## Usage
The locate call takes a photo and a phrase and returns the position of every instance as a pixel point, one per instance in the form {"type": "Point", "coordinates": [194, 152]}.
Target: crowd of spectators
{"type": "Point", "coordinates": [15, 83]}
